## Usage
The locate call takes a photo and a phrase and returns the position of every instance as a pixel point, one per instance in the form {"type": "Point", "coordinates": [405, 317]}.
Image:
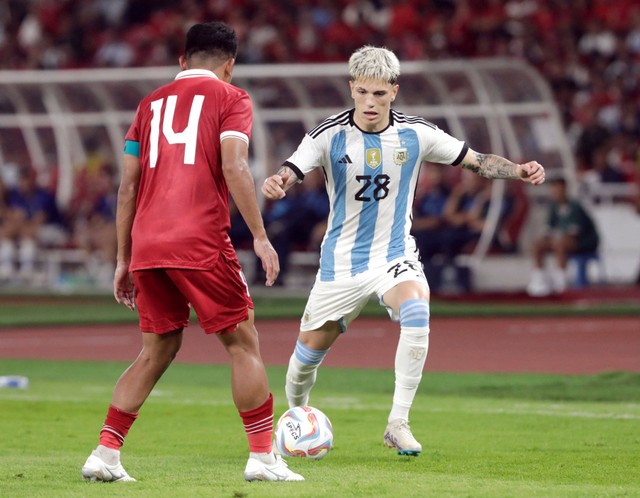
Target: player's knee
{"type": "Point", "coordinates": [241, 344]}
{"type": "Point", "coordinates": [157, 360]}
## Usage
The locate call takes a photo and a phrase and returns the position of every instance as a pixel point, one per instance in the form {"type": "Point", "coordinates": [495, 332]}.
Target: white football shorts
{"type": "Point", "coordinates": [342, 300]}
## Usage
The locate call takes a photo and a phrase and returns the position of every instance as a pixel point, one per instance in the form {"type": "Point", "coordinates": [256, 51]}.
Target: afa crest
{"type": "Point", "coordinates": [400, 156]}
{"type": "Point", "coordinates": [374, 157]}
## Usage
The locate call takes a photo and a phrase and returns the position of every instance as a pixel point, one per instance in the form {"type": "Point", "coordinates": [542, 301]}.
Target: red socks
{"type": "Point", "coordinates": [116, 426]}
{"type": "Point", "coordinates": [258, 423]}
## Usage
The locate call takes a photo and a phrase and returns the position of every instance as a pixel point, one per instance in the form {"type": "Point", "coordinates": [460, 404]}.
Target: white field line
{"type": "Point", "coordinates": [352, 404]}
{"type": "Point", "coordinates": [551, 413]}
{"type": "Point", "coordinates": [15, 396]}
{"type": "Point", "coordinates": [63, 341]}
{"type": "Point", "coordinates": [555, 410]}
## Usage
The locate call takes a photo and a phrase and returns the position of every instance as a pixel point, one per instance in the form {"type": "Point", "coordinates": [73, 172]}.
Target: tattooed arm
{"type": "Point", "coordinates": [276, 186]}
{"type": "Point", "coordinates": [495, 167]}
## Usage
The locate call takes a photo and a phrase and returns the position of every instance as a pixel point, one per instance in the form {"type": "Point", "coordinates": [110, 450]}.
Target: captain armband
{"type": "Point", "coordinates": [132, 148]}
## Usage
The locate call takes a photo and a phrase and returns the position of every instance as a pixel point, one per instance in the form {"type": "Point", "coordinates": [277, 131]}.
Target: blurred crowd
{"type": "Point", "coordinates": [588, 50]}
{"type": "Point", "coordinates": [30, 219]}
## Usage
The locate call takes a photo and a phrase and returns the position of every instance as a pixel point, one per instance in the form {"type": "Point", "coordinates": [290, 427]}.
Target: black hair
{"type": "Point", "coordinates": [214, 39]}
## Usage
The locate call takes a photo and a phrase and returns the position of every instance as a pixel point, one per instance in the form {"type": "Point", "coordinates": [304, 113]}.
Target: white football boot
{"type": "Point", "coordinates": [257, 470]}
{"type": "Point", "coordinates": [398, 435]}
{"type": "Point", "coordinates": [97, 469]}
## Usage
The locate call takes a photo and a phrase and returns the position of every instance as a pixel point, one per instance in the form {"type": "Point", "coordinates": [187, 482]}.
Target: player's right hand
{"type": "Point", "coordinates": [531, 172]}
{"type": "Point", "coordinates": [273, 187]}
{"type": "Point", "coordinates": [269, 257]}
{"type": "Point", "coordinates": [123, 289]}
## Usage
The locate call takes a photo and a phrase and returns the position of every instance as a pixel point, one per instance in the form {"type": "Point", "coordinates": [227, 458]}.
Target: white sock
{"type": "Point", "coordinates": [300, 380]}
{"type": "Point", "coordinates": [411, 356]}
{"type": "Point", "coordinates": [267, 458]}
{"type": "Point", "coordinates": [7, 253]}
{"type": "Point", "coordinates": [559, 279]}
{"type": "Point", "coordinates": [27, 254]}
{"type": "Point", "coordinates": [301, 374]}
{"type": "Point", "coordinates": [108, 455]}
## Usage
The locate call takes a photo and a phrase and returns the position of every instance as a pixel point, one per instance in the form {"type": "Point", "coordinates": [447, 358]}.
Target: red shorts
{"type": "Point", "coordinates": [220, 297]}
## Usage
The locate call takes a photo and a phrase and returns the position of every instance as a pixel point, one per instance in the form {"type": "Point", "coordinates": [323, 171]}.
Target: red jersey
{"type": "Point", "coordinates": [182, 210]}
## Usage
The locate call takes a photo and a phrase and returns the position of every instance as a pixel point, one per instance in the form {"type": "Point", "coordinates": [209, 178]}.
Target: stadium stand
{"type": "Point", "coordinates": [588, 53]}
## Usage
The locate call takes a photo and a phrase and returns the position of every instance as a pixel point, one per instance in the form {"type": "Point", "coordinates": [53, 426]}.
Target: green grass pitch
{"type": "Point", "coordinates": [483, 435]}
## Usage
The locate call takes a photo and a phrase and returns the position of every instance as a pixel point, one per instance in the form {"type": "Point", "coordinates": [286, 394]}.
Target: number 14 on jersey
{"type": "Point", "coordinates": [188, 136]}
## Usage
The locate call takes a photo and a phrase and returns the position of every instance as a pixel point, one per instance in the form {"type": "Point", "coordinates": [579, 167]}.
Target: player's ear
{"type": "Point", "coordinates": [228, 69]}
{"type": "Point", "coordinates": [183, 62]}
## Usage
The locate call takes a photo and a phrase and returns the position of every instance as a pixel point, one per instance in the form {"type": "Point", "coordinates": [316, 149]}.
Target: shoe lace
{"type": "Point", "coordinates": [281, 461]}
{"type": "Point", "coordinates": [404, 428]}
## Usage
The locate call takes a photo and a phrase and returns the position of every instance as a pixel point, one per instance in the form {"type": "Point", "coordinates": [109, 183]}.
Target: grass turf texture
{"type": "Point", "coordinates": [29, 310]}
{"type": "Point", "coordinates": [483, 435]}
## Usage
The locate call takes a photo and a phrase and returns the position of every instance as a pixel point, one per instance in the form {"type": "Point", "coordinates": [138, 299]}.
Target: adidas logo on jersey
{"type": "Point", "coordinates": [345, 160]}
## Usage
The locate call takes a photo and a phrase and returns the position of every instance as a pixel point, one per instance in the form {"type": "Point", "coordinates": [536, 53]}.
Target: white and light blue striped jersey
{"type": "Point", "coordinates": [371, 181]}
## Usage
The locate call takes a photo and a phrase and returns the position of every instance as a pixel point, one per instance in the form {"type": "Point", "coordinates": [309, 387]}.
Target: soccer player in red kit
{"type": "Point", "coordinates": [186, 150]}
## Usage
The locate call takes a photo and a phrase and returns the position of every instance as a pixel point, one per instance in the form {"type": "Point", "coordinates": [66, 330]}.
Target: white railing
{"type": "Point", "coordinates": [502, 106]}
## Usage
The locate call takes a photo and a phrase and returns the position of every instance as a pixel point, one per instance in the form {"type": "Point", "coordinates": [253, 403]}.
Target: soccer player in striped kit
{"type": "Point", "coordinates": [371, 156]}
{"type": "Point", "coordinates": [185, 152]}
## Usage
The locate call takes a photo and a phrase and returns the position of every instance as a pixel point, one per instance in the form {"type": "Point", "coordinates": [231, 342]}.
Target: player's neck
{"type": "Point", "coordinates": [222, 69]}
{"type": "Point", "coordinates": [371, 127]}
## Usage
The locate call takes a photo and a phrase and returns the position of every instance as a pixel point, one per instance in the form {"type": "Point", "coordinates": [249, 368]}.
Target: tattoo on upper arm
{"type": "Point", "coordinates": [492, 166]}
{"type": "Point", "coordinates": [480, 158]}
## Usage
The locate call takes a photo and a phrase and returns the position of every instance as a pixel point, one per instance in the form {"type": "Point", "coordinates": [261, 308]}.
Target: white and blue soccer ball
{"type": "Point", "coordinates": [304, 431]}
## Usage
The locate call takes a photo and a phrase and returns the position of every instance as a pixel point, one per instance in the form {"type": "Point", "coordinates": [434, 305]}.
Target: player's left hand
{"type": "Point", "coordinates": [531, 172]}
{"type": "Point", "coordinates": [269, 258]}
{"type": "Point", "coordinates": [123, 289]}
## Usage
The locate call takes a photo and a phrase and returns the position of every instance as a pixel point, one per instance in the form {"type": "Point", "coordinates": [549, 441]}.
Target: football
{"type": "Point", "coordinates": [304, 431]}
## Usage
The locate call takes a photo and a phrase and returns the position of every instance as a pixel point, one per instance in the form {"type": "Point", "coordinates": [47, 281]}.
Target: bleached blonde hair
{"type": "Point", "coordinates": [375, 63]}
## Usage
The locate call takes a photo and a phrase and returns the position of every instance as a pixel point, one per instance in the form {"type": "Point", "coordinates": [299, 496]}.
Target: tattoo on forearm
{"type": "Point", "coordinates": [492, 167]}
{"type": "Point", "coordinates": [293, 178]}
{"type": "Point", "coordinates": [284, 170]}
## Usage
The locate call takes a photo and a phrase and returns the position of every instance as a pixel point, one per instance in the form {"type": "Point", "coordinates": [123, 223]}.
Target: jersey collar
{"type": "Point", "coordinates": [352, 122]}
{"type": "Point", "coordinates": [196, 73]}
